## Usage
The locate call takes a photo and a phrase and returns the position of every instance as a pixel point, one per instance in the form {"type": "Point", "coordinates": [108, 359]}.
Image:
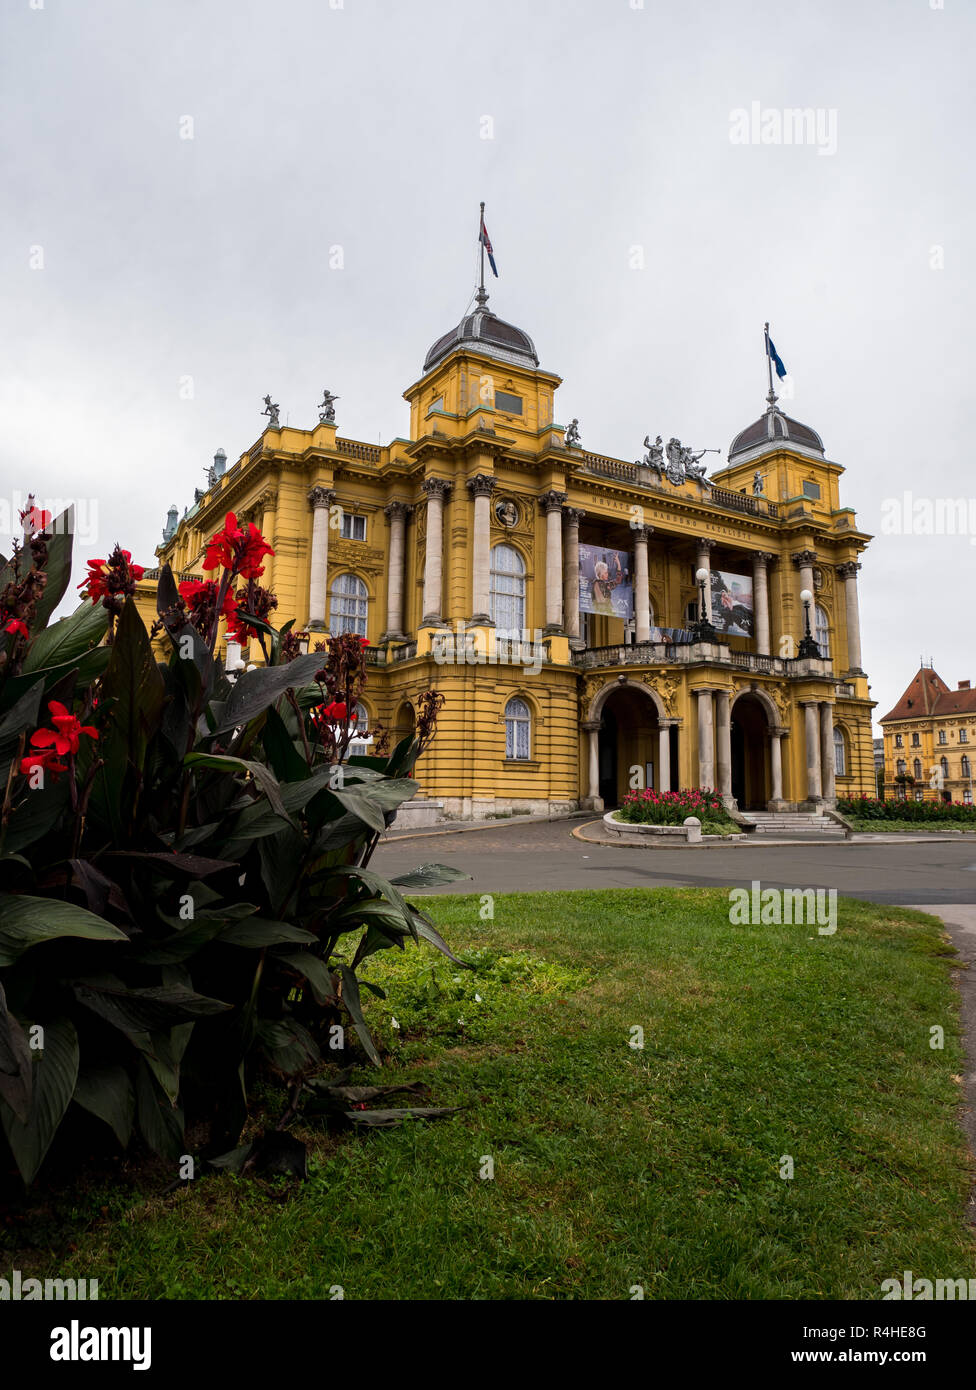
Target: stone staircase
{"type": "Point", "coordinates": [808, 825]}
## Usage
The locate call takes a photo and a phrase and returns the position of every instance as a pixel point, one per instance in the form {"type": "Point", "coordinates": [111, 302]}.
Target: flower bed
{"type": "Point", "coordinates": [891, 809]}
{"type": "Point", "coordinates": [650, 807]}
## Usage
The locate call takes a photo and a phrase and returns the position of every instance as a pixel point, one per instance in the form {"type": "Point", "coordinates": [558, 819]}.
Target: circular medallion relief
{"type": "Point", "coordinates": [507, 512]}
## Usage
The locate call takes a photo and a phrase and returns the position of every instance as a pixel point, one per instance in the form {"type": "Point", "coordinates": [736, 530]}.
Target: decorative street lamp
{"type": "Point", "coordinates": [703, 630]}
{"type": "Point", "coordinates": [808, 646]}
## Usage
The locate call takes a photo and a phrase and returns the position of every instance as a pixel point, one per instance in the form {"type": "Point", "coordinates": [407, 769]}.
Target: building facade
{"type": "Point", "coordinates": [553, 594]}
{"type": "Point", "coordinates": [930, 741]}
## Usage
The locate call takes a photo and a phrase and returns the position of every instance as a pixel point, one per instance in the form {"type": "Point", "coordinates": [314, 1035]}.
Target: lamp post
{"type": "Point", "coordinates": [808, 647]}
{"type": "Point", "coordinates": [703, 630]}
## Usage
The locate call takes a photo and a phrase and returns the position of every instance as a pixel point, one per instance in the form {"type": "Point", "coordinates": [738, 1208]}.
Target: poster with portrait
{"type": "Point", "coordinates": [732, 611]}
{"type": "Point", "coordinates": [606, 582]}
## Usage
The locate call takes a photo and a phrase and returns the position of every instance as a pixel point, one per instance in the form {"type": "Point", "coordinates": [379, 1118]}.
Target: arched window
{"type": "Point", "coordinates": [518, 726]}
{"type": "Point", "coordinates": [507, 594]}
{"type": "Point", "coordinates": [840, 753]}
{"type": "Point", "coordinates": [917, 769]}
{"type": "Point", "coordinates": [900, 767]}
{"type": "Point", "coordinates": [965, 766]}
{"type": "Point", "coordinates": [349, 604]}
{"type": "Point", "coordinates": [822, 633]}
{"type": "Point", "coordinates": [944, 764]}
{"type": "Point", "coordinates": [359, 744]}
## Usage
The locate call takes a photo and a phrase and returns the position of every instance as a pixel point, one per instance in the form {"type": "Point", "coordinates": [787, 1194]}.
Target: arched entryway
{"type": "Point", "coordinates": [629, 741]}
{"type": "Point", "coordinates": [750, 753]}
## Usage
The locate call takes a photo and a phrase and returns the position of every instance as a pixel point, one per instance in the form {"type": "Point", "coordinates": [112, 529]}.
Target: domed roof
{"type": "Point", "coordinates": [487, 333]}
{"type": "Point", "coordinates": [772, 427]}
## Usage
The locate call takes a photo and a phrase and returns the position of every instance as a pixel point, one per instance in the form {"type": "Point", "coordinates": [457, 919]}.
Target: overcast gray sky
{"type": "Point", "coordinates": [318, 125]}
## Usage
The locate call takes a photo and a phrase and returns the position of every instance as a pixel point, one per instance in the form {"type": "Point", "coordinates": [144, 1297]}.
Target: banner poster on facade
{"type": "Point", "coordinates": [673, 635]}
{"type": "Point", "coordinates": [732, 611]}
{"type": "Point", "coordinates": [606, 583]}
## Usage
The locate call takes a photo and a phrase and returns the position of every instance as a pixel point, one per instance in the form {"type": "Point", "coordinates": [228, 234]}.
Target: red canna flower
{"type": "Point", "coordinates": [95, 581]}
{"type": "Point", "coordinates": [48, 762]}
{"type": "Point", "coordinates": [34, 519]}
{"type": "Point", "coordinates": [65, 737]}
{"type": "Point", "coordinates": [239, 549]}
{"type": "Point", "coordinates": [18, 628]}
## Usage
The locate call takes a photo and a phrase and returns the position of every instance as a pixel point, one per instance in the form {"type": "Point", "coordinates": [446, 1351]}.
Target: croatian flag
{"type": "Point", "coordinates": [776, 359]}
{"type": "Point", "coordinates": [483, 238]}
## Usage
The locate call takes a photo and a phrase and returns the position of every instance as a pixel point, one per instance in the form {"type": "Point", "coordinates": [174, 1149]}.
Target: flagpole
{"type": "Point", "coordinates": [481, 243]}
{"type": "Point", "coordinates": [771, 398]}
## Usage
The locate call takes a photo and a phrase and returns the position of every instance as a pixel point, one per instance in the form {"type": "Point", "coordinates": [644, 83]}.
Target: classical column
{"type": "Point", "coordinates": [436, 490]}
{"type": "Point", "coordinates": [664, 755]}
{"type": "Point", "coordinates": [321, 499]}
{"type": "Point", "coordinates": [776, 766]}
{"type": "Point", "coordinates": [551, 503]}
{"type": "Point", "coordinates": [804, 561]}
{"type": "Point", "coordinates": [481, 486]}
{"type": "Point", "coordinates": [398, 513]}
{"type": "Point", "coordinates": [723, 729]}
{"type": "Point", "coordinates": [706, 741]}
{"type": "Point", "coordinates": [593, 800]}
{"type": "Point", "coordinates": [705, 548]}
{"type": "Point", "coordinates": [572, 516]}
{"type": "Point", "coordinates": [827, 752]}
{"type": "Point", "coordinates": [642, 594]}
{"type": "Point", "coordinates": [848, 572]}
{"type": "Point", "coordinates": [760, 599]}
{"type": "Point", "coordinates": [812, 722]}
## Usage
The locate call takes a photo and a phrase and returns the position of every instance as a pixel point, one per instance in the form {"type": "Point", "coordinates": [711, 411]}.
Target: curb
{"type": "Point", "coordinates": [468, 827]}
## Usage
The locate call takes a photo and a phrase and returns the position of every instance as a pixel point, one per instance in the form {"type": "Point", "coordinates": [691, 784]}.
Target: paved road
{"type": "Point", "coordinates": [544, 856]}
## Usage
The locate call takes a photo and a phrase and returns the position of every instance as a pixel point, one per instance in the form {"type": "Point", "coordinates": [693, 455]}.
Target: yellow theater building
{"type": "Point", "coordinates": [594, 623]}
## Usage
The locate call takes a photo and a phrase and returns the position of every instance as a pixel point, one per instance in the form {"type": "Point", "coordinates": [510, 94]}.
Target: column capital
{"type": "Point", "coordinates": [552, 500]}
{"type": "Point", "coordinates": [642, 533]}
{"type": "Point", "coordinates": [778, 731]}
{"type": "Point", "coordinates": [321, 497]}
{"type": "Point", "coordinates": [848, 569]}
{"type": "Point", "coordinates": [436, 487]}
{"type": "Point", "coordinates": [667, 723]}
{"type": "Point", "coordinates": [394, 509]}
{"type": "Point", "coordinates": [805, 703]}
{"type": "Point", "coordinates": [590, 726]}
{"type": "Point", "coordinates": [482, 485]}
{"type": "Point", "coordinates": [763, 558]}
{"type": "Point", "coordinates": [573, 515]}
{"type": "Point", "coordinates": [705, 543]}
{"type": "Point", "coordinates": [268, 499]}
{"type": "Point", "coordinates": [804, 557]}
{"type": "Point", "coordinates": [722, 694]}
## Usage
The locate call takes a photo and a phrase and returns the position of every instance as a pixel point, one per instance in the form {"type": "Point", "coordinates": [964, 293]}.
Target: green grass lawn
{"type": "Point", "coordinates": [613, 1166]}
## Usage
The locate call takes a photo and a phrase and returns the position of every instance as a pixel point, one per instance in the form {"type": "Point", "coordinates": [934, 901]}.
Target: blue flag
{"type": "Point", "coordinates": [776, 359]}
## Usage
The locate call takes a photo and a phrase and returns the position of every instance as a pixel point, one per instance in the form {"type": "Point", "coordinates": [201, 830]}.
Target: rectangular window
{"type": "Point", "coordinates": [511, 405]}
{"type": "Point", "coordinates": [811, 490]}
{"type": "Point", "coordinates": [898, 740]}
{"type": "Point", "coordinates": [915, 740]}
{"type": "Point", "coordinates": [353, 527]}
{"type": "Point", "coordinates": [963, 736]}
{"type": "Point", "coordinates": [942, 736]}
{"type": "Point", "coordinates": [967, 796]}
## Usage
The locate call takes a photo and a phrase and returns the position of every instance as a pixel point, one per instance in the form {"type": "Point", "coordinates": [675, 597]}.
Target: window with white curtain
{"type": "Point", "coordinates": [349, 605]}
{"type": "Point", "coordinates": [507, 589]}
{"type": "Point", "coordinates": [518, 729]}
{"type": "Point", "coordinates": [822, 633]}
{"type": "Point", "coordinates": [840, 753]}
